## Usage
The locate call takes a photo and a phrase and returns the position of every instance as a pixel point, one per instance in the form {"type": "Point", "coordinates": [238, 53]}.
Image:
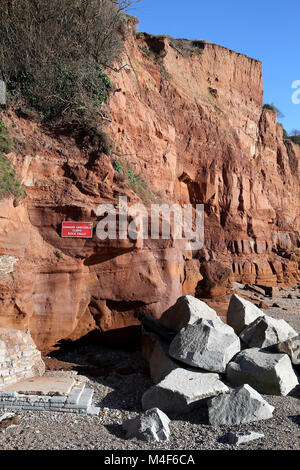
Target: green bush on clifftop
{"type": "Point", "coordinates": [53, 54]}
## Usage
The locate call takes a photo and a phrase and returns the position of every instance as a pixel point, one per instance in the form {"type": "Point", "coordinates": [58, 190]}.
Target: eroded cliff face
{"type": "Point", "coordinates": [189, 119]}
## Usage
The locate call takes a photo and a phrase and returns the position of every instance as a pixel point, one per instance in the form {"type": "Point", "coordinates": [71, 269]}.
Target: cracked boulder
{"type": "Point", "coordinates": [243, 405]}
{"type": "Point", "coordinates": [151, 426]}
{"type": "Point", "coordinates": [266, 331]}
{"type": "Point", "coordinates": [186, 311]}
{"type": "Point", "coordinates": [182, 390]}
{"type": "Point", "coordinates": [266, 372]}
{"type": "Point", "coordinates": [241, 313]}
{"type": "Point", "coordinates": [207, 344]}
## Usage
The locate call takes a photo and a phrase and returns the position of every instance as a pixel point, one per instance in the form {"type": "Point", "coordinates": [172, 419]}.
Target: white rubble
{"type": "Point", "coordinates": [19, 357]}
{"type": "Point", "coordinates": [292, 348]}
{"type": "Point", "coordinates": [207, 344]}
{"type": "Point", "coordinates": [186, 311]}
{"type": "Point", "coordinates": [241, 313]}
{"type": "Point", "coordinates": [181, 390]}
{"type": "Point", "coordinates": [161, 364]}
{"type": "Point", "coordinates": [241, 406]}
{"type": "Point", "coordinates": [153, 425]}
{"type": "Point", "coordinates": [266, 372]}
{"type": "Point", "coordinates": [243, 437]}
{"type": "Point", "coordinates": [266, 331]}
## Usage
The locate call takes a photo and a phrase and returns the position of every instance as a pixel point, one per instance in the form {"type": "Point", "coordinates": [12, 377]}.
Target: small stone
{"type": "Point", "coordinates": [2, 93]}
{"type": "Point", "coordinates": [151, 426]}
{"type": "Point", "coordinates": [267, 331]}
{"type": "Point", "coordinates": [236, 438]}
{"type": "Point", "coordinates": [266, 372]}
{"type": "Point", "coordinates": [207, 344]}
{"type": "Point", "coordinates": [244, 405]}
{"type": "Point", "coordinates": [9, 419]}
{"type": "Point", "coordinates": [292, 348]}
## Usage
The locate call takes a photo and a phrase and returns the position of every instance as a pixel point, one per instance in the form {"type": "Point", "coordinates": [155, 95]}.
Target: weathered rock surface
{"type": "Point", "coordinates": [153, 425]}
{"type": "Point", "coordinates": [191, 124]}
{"type": "Point", "coordinates": [267, 331]}
{"type": "Point", "coordinates": [243, 437]}
{"type": "Point", "coordinates": [19, 357]}
{"type": "Point", "coordinates": [2, 93]}
{"type": "Point", "coordinates": [181, 390]}
{"type": "Point", "coordinates": [268, 373]}
{"type": "Point", "coordinates": [207, 344]}
{"type": "Point", "coordinates": [242, 313]}
{"type": "Point", "coordinates": [186, 311]}
{"type": "Point", "coordinates": [243, 405]}
{"type": "Point", "coordinates": [292, 348]}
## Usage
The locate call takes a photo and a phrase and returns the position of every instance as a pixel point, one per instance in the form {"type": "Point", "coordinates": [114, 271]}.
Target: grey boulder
{"type": "Point", "coordinates": [266, 372]}
{"type": "Point", "coordinates": [151, 426]}
{"type": "Point", "coordinates": [243, 437]}
{"type": "Point", "coordinates": [182, 390]}
{"type": "Point", "coordinates": [267, 331]}
{"type": "Point", "coordinates": [243, 405]}
{"type": "Point", "coordinates": [241, 313]}
{"type": "Point", "coordinates": [292, 348]}
{"type": "Point", "coordinates": [207, 344]}
{"type": "Point", "coordinates": [186, 311]}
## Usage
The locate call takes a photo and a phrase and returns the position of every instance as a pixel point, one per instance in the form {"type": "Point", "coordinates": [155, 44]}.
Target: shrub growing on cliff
{"type": "Point", "coordinates": [53, 53]}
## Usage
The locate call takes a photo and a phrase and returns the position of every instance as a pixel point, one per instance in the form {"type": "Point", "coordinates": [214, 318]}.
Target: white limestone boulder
{"type": "Point", "coordinates": [266, 372]}
{"type": "Point", "coordinates": [241, 313]}
{"type": "Point", "coordinates": [243, 405]}
{"type": "Point", "coordinates": [160, 363]}
{"type": "Point", "coordinates": [151, 426]}
{"type": "Point", "coordinates": [186, 311]}
{"type": "Point", "coordinates": [182, 390]}
{"type": "Point", "coordinates": [237, 438]}
{"type": "Point", "coordinates": [267, 331]}
{"type": "Point", "coordinates": [207, 344]}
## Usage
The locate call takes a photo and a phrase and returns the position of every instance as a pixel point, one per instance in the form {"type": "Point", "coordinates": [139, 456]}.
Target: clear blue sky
{"type": "Point", "coordinates": [262, 29]}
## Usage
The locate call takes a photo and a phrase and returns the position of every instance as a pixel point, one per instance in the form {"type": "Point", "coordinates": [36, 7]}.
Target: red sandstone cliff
{"type": "Point", "coordinates": [189, 119]}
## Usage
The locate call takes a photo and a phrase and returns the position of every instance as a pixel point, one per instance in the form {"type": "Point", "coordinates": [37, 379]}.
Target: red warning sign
{"type": "Point", "coordinates": [77, 230]}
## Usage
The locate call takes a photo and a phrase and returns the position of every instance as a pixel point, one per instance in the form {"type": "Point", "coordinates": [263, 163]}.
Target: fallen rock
{"type": "Point", "coordinates": [292, 348]}
{"type": "Point", "coordinates": [182, 390]}
{"type": "Point", "coordinates": [9, 419]}
{"type": "Point", "coordinates": [263, 305]}
{"type": "Point", "coordinates": [2, 93]}
{"type": "Point", "coordinates": [243, 437]}
{"type": "Point", "coordinates": [267, 331]}
{"type": "Point", "coordinates": [186, 311]}
{"type": "Point", "coordinates": [256, 289]}
{"type": "Point", "coordinates": [272, 291]}
{"type": "Point", "coordinates": [207, 344]}
{"type": "Point", "coordinates": [153, 425]}
{"type": "Point", "coordinates": [241, 313]}
{"type": "Point", "coordinates": [268, 373]}
{"type": "Point", "coordinates": [244, 405]}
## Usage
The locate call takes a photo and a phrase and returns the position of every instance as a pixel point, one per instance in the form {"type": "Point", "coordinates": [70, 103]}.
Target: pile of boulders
{"type": "Point", "coordinates": [222, 367]}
